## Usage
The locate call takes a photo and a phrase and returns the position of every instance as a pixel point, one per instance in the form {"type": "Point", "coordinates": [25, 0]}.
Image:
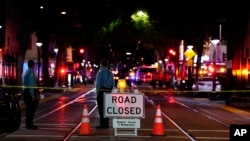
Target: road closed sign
{"type": "Point", "coordinates": [124, 105]}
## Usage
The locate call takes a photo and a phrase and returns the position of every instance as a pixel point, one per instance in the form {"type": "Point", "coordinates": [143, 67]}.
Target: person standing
{"type": "Point", "coordinates": [29, 82]}
{"type": "Point", "coordinates": [104, 83]}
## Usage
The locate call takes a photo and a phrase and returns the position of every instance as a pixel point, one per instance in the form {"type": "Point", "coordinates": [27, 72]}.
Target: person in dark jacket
{"type": "Point", "coordinates": [29, 83]}
{"type": "Point", "coordinates": [104, 83]}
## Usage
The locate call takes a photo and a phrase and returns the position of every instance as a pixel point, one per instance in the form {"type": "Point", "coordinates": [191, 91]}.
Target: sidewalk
{"type": "Point", "coordinates": [240, 108]}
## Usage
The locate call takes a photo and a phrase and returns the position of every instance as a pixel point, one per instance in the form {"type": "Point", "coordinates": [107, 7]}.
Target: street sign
{"type": "Point", "coordinates": [124, 105]}
{"type": "Point", "coordinates": [69, 57]}
{"type": "Point", "coordinates": [189, 53]}
{"type": "Point", "coordinates": [126, 123]}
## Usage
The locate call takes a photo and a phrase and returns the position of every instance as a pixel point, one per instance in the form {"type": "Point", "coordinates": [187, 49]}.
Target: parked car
{"type": "Point", "coordinates": [204, 86]}
{"type": "Point", "coordinates": [10, 111]}
{"type": "Point", "coordinates": [185, 84]}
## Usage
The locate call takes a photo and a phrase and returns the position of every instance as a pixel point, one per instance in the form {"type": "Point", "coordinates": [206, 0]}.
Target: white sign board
{"type": "Point", "coordinates": [126, 123]}
{"type": "Point", "coordinates": [124, 105]}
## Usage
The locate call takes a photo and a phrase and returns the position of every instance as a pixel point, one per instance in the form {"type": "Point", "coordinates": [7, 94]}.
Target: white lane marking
{"type": "Point", "coordinates": [51, 112]}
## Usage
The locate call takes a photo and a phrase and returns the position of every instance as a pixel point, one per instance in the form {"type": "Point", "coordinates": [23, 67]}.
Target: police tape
{"type": "Point", "coordinates": [140, 90]}
{"type": "Point", "coordinates": [195, 92]}
{"type": "Point", "coordinates": [36, 87]}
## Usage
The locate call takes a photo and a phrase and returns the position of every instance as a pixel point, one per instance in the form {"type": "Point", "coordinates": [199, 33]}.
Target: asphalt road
{"type": "Point", "coordinates": [60, 116]}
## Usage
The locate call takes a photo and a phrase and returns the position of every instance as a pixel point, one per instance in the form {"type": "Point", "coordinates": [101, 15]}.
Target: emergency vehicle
{"type": "Point", "coordinates": [151, 75]}
{"type": "Point", "coordinates": [144, 74]}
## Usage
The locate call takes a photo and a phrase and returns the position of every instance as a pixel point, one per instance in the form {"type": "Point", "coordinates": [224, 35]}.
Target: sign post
{"type": "Point", "coordinates": [125, 109]}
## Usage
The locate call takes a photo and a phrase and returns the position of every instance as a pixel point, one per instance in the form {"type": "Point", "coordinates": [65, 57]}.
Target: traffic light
{"type": "Point", "coordinates": [62, 70]}
{"type": "Point", "coordinates": [172, 52]}
{"type": "Point", "coordinates": [81, 51]}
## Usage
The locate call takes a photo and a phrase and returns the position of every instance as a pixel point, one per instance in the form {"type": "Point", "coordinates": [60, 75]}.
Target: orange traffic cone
{"type": "Point", "coordinates": [85, 128]}
{"type": "Point", "coordinates": [158, 129]}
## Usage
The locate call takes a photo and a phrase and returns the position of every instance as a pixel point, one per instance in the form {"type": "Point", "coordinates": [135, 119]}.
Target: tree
{"type": "Point", "coordinates": [27, 27]}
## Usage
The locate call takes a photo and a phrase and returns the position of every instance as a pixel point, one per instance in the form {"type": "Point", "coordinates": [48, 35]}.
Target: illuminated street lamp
{"type": "Point", "coordinates": [56, 51]}
{"type": "Point", "coordinates": [38, 44]}
{"type": "Point", "coordinates": [214, 43]}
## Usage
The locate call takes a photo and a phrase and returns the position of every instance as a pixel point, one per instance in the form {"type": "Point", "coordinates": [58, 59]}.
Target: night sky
{"type": "Point", "coordinates": [176, 19]}
{"type": "Point", "coordinates": [173, 16]}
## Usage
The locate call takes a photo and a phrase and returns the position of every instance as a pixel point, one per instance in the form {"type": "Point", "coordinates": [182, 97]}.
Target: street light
{"type": "Point", "coordinates": [174, 62]}
{"type": "Point", "coordinates": [56, 51]}
{"type": "Point", "coordinates": [38, 44]}
{"type": "Point", "coordinates": [214, 43]}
